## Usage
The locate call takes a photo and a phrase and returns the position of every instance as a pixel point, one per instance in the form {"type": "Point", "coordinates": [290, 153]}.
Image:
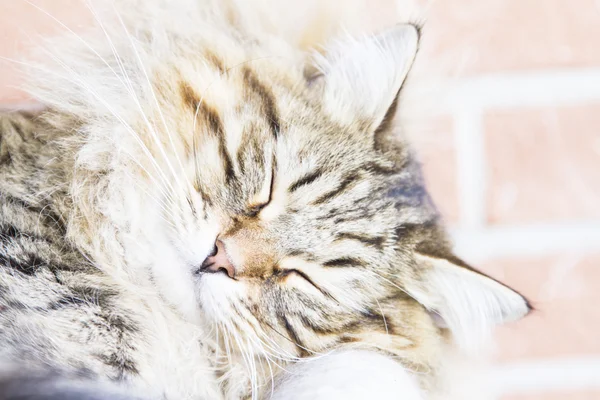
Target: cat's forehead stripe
{"type": "Point", "coordinates": [345, 184]}
{"type": "Point", "coordinates": [267, 98]}
{"type": "Point", "coordinates": [189, 95]}
{"type": "Point", "coordinates": [306, 180]}
{"type": "Point", "coordinates": [215, 128]}
{"type": "Point", "coordinates": [374, 241]}
{"type": "Point", "coordinates": [302, 349]}
{"type": "Point", "coordinates": [215, 61]}
{"type": "Point", "coordinates": [344, 262]}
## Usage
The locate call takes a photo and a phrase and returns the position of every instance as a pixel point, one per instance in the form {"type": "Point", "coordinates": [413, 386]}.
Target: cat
{"type": "Point", "coordinates": [205, 210]}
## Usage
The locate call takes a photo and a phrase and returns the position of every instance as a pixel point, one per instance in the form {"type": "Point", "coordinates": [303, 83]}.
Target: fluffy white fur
{"type": "Point", "coordinates": [363, 76]}
{"type": "Point", "coordinates": [132, 231]}
{"type": "Point", "coordinates": [348, 375]}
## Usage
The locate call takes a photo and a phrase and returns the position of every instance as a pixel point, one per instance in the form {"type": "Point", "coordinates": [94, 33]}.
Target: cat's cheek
{"type": "Point", "coordinates": [219, 295]}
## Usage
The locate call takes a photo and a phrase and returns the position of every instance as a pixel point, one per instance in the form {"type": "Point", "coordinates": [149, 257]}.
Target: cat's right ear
{"type": "Point", "coordinates": [359, 79]}
{"type": "Point", "coordinates": [463, 299]}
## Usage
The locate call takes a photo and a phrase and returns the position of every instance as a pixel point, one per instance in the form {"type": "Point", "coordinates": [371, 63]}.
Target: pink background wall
{"type": "Point", "coordinates": [512, 158]}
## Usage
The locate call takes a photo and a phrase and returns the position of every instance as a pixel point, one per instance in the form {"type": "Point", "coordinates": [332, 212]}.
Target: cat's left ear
{"type": "Point", "coordinates": [360, 78]}
{"type": "Point", "coordinates": [463, 299]}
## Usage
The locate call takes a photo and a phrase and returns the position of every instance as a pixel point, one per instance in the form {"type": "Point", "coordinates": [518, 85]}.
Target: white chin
{"type": "Point", "coordinates": [216, 294]}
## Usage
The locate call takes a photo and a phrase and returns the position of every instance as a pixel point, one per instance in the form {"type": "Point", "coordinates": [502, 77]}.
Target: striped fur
{"type": "Point", "coordinates": [172, 124]}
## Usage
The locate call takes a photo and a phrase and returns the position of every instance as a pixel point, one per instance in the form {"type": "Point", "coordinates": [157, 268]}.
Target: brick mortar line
{"type": "Point", "coordinates": [549, 87]}
{"type": "Point", "coordinates": [546, 375]}
{"type": "Point", "coordinates": [527, 240]}
{"type": "Point", "coordinates": [30, 106]}
{"type": "Point", "coordinates": [470, 170]}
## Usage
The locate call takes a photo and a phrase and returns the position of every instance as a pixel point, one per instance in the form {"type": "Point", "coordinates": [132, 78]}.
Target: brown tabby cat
{"type": "Point", "coordinates": [202, 204]}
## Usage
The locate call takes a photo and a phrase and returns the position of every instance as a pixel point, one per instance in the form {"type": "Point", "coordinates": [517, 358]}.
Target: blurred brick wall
{"type": "Point", "coordinates": [524, 115]}
{"type": "Point", "coordinates": [513, 161]}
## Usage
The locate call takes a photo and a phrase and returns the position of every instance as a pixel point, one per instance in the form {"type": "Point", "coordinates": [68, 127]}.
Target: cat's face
{"type": "Point", "coordinates": [193, 138]}
{"type": "Point", "coordinates": [303, 221]}
{"type": "Point", "coordinates": [324, 233]}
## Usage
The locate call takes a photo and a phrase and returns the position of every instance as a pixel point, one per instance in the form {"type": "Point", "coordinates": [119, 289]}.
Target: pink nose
{"type": "Point", "coordinates": [219, 261]}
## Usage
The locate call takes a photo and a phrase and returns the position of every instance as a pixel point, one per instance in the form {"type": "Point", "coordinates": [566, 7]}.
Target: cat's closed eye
{"type": "Point", "coordinates": [264, 197]}
{"type": "Point", "coordinates": [282, 274]}
{"type": "Point", "coordinates": [254, 210]}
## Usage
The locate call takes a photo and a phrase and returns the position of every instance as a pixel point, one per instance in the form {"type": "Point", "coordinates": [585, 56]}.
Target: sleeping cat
{"type": "Point", "coordinates": [203, 208]}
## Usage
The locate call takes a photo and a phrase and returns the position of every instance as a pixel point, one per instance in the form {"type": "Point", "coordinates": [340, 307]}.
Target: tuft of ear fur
{"type": "Point", "coordinates": [469, 303]}
{"type": "Point", "coordinates": [362, 77]}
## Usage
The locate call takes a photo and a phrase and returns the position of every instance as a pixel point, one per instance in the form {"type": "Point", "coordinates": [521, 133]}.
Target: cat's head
{"type": "Point", "coordinates": [321, 231]}
{"type": "Point", "coordinates": [297, 219]}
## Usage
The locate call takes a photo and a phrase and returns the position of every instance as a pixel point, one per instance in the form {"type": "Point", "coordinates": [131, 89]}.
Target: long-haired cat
{"type": "Point", "coordinates": [204, 210]}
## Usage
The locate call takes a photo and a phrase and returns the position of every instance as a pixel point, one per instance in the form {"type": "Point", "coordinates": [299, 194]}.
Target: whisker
{"type": "Point", "coordinates": [291, 340]}
{"type": "Point", "coordinates": [255, 326]}
{"type": "Point", "coordinates": [383, 316]}
{"type": "Point", "coordinates": [390, 282]}
{"type": "Point", "coordinates": [86, 87]}
{"type": "Point", "coordinates": [63, 25]}
{"type": "Point", "coordinates": [143, 69]}
{"type": "Point", "coordinates": [127, 83]}
{"type": "Point", "coordinates": [129, 87]}
{"type": "Point", "coordinates": [246, 358]}
{"type": "Point", "coordinates": [128, 128]}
